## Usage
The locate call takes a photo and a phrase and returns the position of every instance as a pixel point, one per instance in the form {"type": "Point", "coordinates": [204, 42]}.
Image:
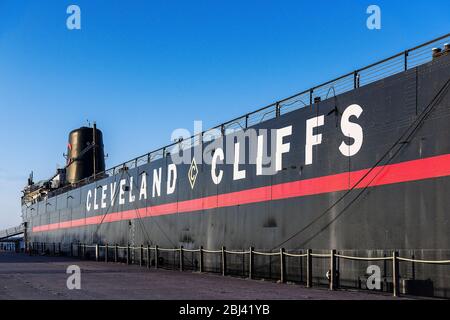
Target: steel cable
{"type": "Point", "coordinates": [414, 126]}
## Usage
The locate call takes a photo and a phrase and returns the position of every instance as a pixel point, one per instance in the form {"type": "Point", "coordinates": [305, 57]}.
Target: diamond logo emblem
{"type": "Point", "coordinates": [193, 172]}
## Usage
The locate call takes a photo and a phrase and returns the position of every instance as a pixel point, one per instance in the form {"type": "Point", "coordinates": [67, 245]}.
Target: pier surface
{"type": "Point", "coordinates": [42, 277]}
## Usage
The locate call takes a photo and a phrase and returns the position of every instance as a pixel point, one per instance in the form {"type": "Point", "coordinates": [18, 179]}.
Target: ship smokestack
{"type": "Point", "coordinates": [86, 155]}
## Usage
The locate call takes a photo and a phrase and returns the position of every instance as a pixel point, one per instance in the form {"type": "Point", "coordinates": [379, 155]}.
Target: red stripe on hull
{"type": "Point", "coordinates": [428, 168]}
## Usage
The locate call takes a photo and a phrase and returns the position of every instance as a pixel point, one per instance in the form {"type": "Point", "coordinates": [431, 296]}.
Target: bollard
{"type": "Point", "coordinates": [332, 269]}
{"type": "Point", "coordinates": [59, 248]}
{"type": "Point", "coordinates": [148, 256]}
{"type": "Point", "coordinates": [128, 254]}
{"type": "Point", "coordinates": [106, 252]}
{"type": "Point", "coordinates": [54, 248]}
{"type": "Point", "coordinates": [71, 249]}
{"type": "Point", "coordinates": [156, 257]}
{"type": "Point", "coordinates": [116, 253]}
{"type": "Point", "coordinates": [250, 263]}
{"type": "Point", "coordinates": [282, 268]}
{"type": "Point", "coordinates": [201, 259]}
{"type": "Point", "coordinates": [181, 258]}
{"type": "Point", "coordinates": [141, 257]}
{"type": "Point", "coordinates": [308, 269]}
{"type": "Point", "coordinates": [224, 261]}
{"type": "Point", "coordinates": [395, 274]}
{"type": "Point", "coordinates": [97, 252]}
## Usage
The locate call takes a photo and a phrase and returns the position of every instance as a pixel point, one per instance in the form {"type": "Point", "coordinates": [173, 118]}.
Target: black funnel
{"type": "Point", "coordinates": [86, 155]}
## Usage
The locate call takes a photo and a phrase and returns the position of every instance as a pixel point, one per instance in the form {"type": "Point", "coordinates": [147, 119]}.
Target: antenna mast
{"type": "Point", "coordinates": [95, 148]}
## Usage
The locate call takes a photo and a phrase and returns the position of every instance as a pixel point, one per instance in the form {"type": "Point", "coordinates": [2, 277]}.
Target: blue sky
{"type": "Point", "coordinates": [144, 68]}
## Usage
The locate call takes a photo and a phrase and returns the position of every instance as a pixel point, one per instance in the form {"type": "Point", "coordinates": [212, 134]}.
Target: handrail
{"type": "Point", "coordinates": [363, 258]}
{"type": "Point", "coordinates": [212, 251]}
{"type": "Point", "coordinates": [295, 255]}
{"type": "Point", "coordinates": [425, 261]}
{"type": "Point", "coordinates": [168, 249]}
{"type": "Point", "coordinates": [332, 274]}
{"type": "Point", "coordinates": [267, 253]}
{"type": "Point", "coordinates": [407, 54]}
{"type": "Point", "coordinates": [191, 250]}
{"type": "Point", "coordinates": [236, 252]}
{"type": "Point", "coordinates": [320, 255]}
{"type": "Point", "coordinates": [316, 255]}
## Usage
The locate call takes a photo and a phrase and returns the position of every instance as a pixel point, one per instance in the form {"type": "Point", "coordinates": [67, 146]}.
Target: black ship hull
{"type": "Point", "coordinates": [391, 194]}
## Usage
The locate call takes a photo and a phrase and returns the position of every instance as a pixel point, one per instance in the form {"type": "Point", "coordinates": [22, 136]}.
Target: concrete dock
{"type": "Point", "coordinates": [44, 277]}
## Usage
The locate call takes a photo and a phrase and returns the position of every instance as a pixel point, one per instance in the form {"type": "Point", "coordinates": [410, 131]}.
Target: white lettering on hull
{"type": "Point", "coordinates": [258, 155]}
